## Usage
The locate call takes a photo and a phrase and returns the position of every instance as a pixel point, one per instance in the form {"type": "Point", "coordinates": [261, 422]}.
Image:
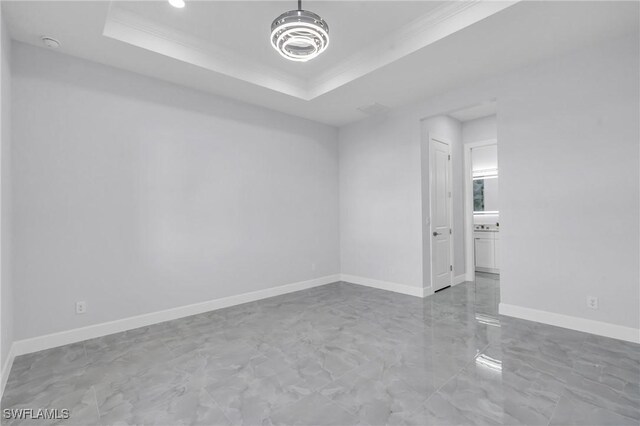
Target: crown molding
{"type": "Point", "coordinates": [427, 29]}
{"type": "Point", "coordinates": [134, 29]}
{"type": "Point", "coordinates": [402, 36]}
{"type": "Point", "coordinates": [440, 22]}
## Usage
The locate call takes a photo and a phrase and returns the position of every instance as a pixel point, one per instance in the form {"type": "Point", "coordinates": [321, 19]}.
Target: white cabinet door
{"type": "Point", "coordinates": [484, 252]}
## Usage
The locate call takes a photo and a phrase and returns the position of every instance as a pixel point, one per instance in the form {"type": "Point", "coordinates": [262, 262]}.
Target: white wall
{"type": "Point", "coordinates": [450, 130]}
{"type": "Point", "coordinates": [484, 158]}
{"type": "Point", "coordinates": [380, 201]}
{"type": "Point", "coordinates": [6, 297]}
{"type": "Point", "coordinates": [569, 190]}
{"type": "Point", "coordinates": [480, 129]}
{"type": "Point", "coordinates": [137, 196]}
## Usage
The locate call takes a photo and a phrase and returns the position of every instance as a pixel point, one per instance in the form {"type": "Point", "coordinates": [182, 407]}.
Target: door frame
{"type": "Point", "coordinates": [450, 198]}
{"type": "Point", "coordinates": [470, 269]}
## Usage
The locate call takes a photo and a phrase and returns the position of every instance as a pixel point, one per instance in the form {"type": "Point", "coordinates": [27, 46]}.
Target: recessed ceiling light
{"type": "Point", "coordinates": [299, 35]}
{"type": "Point", "coordinates": [50, 42]}
{"type": "Point", "coordinates": [177, 3]}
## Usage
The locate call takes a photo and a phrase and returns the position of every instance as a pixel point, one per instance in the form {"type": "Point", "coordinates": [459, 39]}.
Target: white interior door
{"type": "Point", "coordinates": [440, 187]}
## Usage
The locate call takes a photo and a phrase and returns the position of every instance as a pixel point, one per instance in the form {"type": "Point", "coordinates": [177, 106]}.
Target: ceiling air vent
{"type": "Point", "coordinates": [374, 109]}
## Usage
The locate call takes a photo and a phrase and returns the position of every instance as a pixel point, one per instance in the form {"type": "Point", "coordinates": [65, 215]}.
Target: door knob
{"type": "Point", "coordinates": [435, 234]}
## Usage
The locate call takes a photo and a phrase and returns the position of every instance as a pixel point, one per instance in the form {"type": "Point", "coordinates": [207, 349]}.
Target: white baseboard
{"type": "Point", "coordinates": [53, 340]}
{"type": "Point", "coordinates": [574, 323]}
{"type": "Point", "coordinates": [6, 369]}
{"type": "Point", "coordinates": [386, 285]}
{"type": "Point", "coordinates": [459, 279]}
{"type": "Point", "coordinates": [487, 270]}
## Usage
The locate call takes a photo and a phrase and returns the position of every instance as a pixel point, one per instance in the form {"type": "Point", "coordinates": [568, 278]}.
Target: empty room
{"type": "Point", "coordinates": [319, 212]}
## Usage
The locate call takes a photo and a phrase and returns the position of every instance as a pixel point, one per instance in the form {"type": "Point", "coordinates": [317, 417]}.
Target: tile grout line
{"type": "Point", "coordinates": [191, 375]}
{"type": "Point", "coordinates": [456, 374]}
{"type": "Point", "coordinates": [555, 407]}
{"type": "Point", "coordinates": [353, 370]}
{"type": "Point", "coordinates": [393, 364]}
{"type": "Point", "coordinates": [95, 397]}
{"type": "Point", "coordinates": [564, 387]}
{"type": "Point", "coordinates": [93, 388]}
{"type": "Point", "coordinates": [465, 365]}
{"type": "Point", "coordinates": [466, 361]}
{"type": "Point", "coordinates": [567, 391]}
{"type": "Point", "coordinates": [340, 406]}
{"type": "Point", "coordinates": [218, 405]}
{"type": "Point", "coordinates": [452, 377]}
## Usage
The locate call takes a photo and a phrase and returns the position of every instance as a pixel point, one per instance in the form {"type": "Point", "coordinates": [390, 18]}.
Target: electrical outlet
{"type": "Point", "coordinates": [592, 302]}
{"type": "Point", "coordinates": [81, 307]}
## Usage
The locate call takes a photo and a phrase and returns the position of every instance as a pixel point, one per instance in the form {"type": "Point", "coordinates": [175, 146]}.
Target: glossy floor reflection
{"type": "Point", "coordinates": [340, 354]}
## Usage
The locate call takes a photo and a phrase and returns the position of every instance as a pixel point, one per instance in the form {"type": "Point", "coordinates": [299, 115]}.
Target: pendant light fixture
{"type": "Point", "coordinates": [299, 35]}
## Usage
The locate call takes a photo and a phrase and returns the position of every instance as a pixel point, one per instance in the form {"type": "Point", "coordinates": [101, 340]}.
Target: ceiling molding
{"type": "Point", "coordinates": [516, 38]}
{"type": "Point", "coordinates": [421, 32]}
{"type": "Point", "coordinates": [134, 29]}
{"type": "Point", "coordinates": [442, 21]}
{"type": "Point", "coordinates": [375, 52]}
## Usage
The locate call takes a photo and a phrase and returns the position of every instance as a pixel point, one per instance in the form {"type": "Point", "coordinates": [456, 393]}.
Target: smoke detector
{"type": "Point", "coordinates": [50, 42]}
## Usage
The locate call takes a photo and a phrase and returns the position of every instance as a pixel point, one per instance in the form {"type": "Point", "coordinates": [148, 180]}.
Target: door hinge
{"type": "Point", "coordinates": [451, 267]}
{"type": "Point", "coordinates": [449, 194]}
{"type": "Point", "coordinates": [450, 231]}
{"type": "Point", "coordinates": [449, 157]}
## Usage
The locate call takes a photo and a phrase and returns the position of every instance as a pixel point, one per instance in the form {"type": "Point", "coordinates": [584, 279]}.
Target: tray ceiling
{"type": "Point", "coordinates": [386, 53]}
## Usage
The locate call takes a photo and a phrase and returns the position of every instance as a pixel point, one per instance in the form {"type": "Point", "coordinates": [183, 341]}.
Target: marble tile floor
{"type": "Point", "coordinates": [339, 354]}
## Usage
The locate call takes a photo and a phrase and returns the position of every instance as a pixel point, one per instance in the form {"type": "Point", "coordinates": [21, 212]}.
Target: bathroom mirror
{"type": "Point", "coordinates": [485, 195]}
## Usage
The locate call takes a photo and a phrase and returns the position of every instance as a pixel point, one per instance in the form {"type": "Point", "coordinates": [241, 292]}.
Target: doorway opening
{"type": "Point", "coordinates": [482, 243]}
{"type": "Point", "coordinates": [460, 194]}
